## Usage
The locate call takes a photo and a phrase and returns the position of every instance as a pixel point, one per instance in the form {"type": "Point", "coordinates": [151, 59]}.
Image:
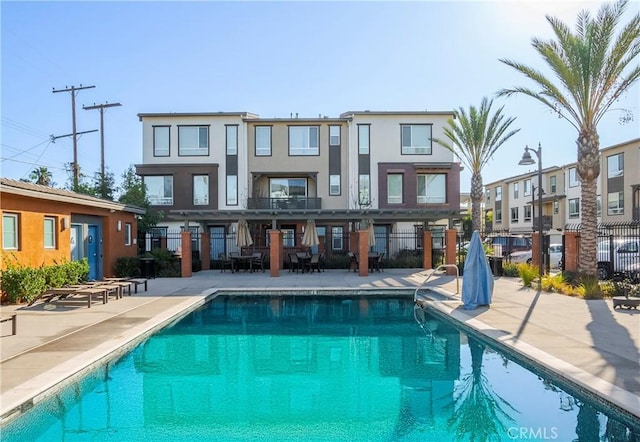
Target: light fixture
{"type": "Point", "coordinates": [64, 223]}
{"type": "Point", "coordinates": [119, 225]}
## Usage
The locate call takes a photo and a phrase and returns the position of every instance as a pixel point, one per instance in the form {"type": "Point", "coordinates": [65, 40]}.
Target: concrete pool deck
{"type": "Point", "coordinates": [586, 342]}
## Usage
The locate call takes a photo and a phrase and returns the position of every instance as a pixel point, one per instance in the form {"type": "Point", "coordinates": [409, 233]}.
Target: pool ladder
{"type": "Point", "coordinates": [440, 267]}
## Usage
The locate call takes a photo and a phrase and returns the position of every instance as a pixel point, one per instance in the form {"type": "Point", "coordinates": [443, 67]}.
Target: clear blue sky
{"type": "Point", "coordinates": [273, 59]}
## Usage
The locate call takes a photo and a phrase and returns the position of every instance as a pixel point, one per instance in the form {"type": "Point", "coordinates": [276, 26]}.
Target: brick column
{"type": "Point", "coordinates": [571, 251]}
{"type": "Point", "coordinates": [535, 249]}
{"type": "Point", "coordinates": [205, 251]}
{"type": "Point", "coordinates": [275, 252]}
{"type": "Point", "coordinates": [427, 244]}
{"type": "Point", "coordinates": [363, 252]}
{"type": "Point", "coordinates": [451, 236]}
{"type": "Point", "coordinates": [186, 254]}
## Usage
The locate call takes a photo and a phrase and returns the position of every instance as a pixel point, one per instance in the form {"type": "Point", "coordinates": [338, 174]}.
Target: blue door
{"type": "Point", "coordinates": [93, 252]}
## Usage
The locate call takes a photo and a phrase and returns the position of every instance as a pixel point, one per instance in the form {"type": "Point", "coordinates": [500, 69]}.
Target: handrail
{"type": "Point", "coordinates": [441, 266]}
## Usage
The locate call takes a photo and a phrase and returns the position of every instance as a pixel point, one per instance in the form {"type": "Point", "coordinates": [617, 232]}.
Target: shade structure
{"type": "Point", "coordinates": [372, 234]}
{"type": "Point", "coordinates": [243, 238]}
{"type": "Point", "coordinates": [477, 280]}
{"type": "Point", "coordinates": [310, 237]}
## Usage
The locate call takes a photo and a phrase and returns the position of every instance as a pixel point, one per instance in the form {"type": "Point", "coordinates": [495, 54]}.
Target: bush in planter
{"type": "Point", "coordinates": [127, 267]}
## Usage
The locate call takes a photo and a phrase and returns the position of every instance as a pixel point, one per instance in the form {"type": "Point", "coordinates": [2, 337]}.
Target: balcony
{"type": "Point", "coordinates": [294, 203]}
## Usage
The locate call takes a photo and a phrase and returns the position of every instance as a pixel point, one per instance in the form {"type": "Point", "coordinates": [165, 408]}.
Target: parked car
{"type": "Point", "coordinates": [555, 256]}
{"type": "Point", "coordinates": [626, 254]}
{"type": "Point", "coordinates": [632, 271]}
{"type": "Point", "coordinates": [509, 243]}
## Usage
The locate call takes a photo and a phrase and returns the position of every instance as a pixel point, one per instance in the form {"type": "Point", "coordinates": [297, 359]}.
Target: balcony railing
{"type": "Point", "coordinates": [293, 203]}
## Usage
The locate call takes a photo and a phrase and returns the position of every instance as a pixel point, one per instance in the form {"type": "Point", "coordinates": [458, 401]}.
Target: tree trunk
{"type": "Point", "coordinates": [476, 202]}
{"type": "Point", "coordinates": [588, 169]}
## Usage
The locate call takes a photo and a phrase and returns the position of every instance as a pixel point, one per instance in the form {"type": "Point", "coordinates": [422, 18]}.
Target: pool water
{"type": "Point", "coordinates": [326, 368]}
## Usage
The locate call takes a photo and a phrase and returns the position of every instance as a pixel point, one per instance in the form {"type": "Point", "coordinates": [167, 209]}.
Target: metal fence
{"type": "Point", "coordinates": [399, 248]}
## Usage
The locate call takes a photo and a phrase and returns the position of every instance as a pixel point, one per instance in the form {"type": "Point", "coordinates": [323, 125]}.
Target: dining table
{"type": "Point", "coordinates": [241, 260]}
{"type": "Point", "coordinates": [304, 259]}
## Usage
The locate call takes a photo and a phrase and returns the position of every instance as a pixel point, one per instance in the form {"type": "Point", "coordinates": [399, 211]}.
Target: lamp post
{"type": "Point", "coordinates": [527, 161]}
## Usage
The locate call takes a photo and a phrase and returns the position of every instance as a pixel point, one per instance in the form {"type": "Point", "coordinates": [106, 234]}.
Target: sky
{"type": "Point", "coordinates": [272, 59]}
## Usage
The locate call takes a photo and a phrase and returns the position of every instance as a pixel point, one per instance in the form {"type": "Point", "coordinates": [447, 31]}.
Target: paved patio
{"type": "Point", "coordinates": [586, 342]}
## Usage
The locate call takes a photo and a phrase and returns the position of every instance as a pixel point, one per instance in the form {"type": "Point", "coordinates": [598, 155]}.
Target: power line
{"type": "Point", "coordinates": [76, 168]}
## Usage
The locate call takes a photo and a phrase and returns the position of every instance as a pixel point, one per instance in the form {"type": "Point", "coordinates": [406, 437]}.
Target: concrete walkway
{"type": "Point", "coordinates": [585, 342]}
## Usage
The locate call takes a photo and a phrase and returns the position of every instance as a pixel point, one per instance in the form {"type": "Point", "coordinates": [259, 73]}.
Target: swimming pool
{"type": "Point", "coordinates": [325, 368]}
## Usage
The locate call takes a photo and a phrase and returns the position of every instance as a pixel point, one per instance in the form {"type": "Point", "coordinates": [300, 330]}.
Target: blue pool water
{"type": "Point", "coordinates": [328, 368]}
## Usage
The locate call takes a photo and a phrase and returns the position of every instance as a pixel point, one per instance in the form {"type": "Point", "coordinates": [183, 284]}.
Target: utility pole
{"type": "Point", "coordinates": [73, 89]}
{"type": "Point", "coordinates": [101, 107]}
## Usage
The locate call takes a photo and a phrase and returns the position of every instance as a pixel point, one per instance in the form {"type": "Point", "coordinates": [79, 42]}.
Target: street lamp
{"type": "Point", "coordinates": [527, 161]}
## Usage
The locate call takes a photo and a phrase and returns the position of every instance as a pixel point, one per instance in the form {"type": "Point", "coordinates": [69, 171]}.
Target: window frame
{"type": "Point", "coordinates": [574, 180]}
{"type": "Point", "coordinates": [497, 215]}
{"type": "Point", "coordinates": [574, 204]}
{"type": "Point", "coordinates": [619, 167]}
{"type": "Point", "coordinates": [528, 209]}
{"type": "Point", "coordinates": [194, 151]}
{"type": "Point", "coordinates": [364, 189]}
{"type": "Point", "coordinates": [128, 229]}
{"type": "Point", "coordinates": [231, 184]}
{"type": "Point", "coordinates": [426, 198]}
{"type": "Point", "coordinates": [619, 207]}
{"type": "Point", "coordinates": [498, 194]}
{"type": "Point", "coordinates": [169, 199]}
{"type": "Point", "coordinates": [515, 211]}
{"type": "Point", "coordinates": [333, 185]}
{"type": "Point", "coordinates": [15, 233]}
{"type": "Point", "coordinates": [309, 150]}
{"type": "Point", "coordinates": [155, 148]}
{"type": "Point", "coordinates": [399, 198]}
{"type": "Point", "coordinates": [231, 149]}
{"type": "Point", "coordinates": [553, 184]}
{"type": "Point", "coordinates": [332, 136]}
{"type": "Point", "coordinates": [258, 150]}
{"type": "Point", "coordinates": [193, 187]}
{"type": "Point", "coordinates": [337, 234]}
{"type": "Point", "coordinates": [516, 190]}
{"type": "Point", "coordinates": [410, 149]}
{"type": "Point", "coordinates": [49, 237]}
{"type": "Point", "coordinates": [526, 187]}
{"type": "Point", "coordinates": [364, 148]}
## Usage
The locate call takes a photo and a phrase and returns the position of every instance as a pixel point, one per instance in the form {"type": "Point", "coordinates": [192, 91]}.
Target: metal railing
{"type": "Point", "coordinates": [440, 267]}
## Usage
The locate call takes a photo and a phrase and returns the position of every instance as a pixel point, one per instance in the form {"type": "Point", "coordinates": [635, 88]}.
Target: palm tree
{"type": "Point", "coordinates": [41, 175]}
{"type": "Point", "coordinates": [474, 138]}
{"type": "Point", "coordinates": [590, 66]}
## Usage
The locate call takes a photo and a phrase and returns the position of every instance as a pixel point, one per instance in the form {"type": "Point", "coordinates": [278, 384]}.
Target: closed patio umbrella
{"type": "Point", "coordinates": [477, 280]}
{"type": "Point", "coordinates": [243, 238]}
{"type": "Point", "coordinates": [372, 234]}
{"type": "Point", "coordinates": [310, 238]}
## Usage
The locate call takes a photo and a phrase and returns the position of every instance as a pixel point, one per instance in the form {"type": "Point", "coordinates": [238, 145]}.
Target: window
{"type": "Point", "coordinates": [232, 139]}
{"type": "Point", "coordinates": [499, 193]}
{"type": "Point", "coordinates": [193, 140]}
{"type": "Point", "coordinates": [334, 135]}
{"type": "Point", "coordinates": [514, 214]}
{"type": "Point", "coordinates": [416, 139]}
{"type": "Point", "coordinates": [127, 234]}
{"type": "Point", "coordinates": [615, 165]}
{"type": "Point", "coordinates": [527, 213]}
{"type": "Point", "coordinates": [49, 232]}
{"type": "Point", "coordinates": [200, 190]}
{"type": "Point", "coordinates": [159, 190]}
{"type": "Point", "coordinates": [287, 187]}
{"type": "Point", "coordinates": [556, 207]}
{"type": "Point", "coordinates": [488, 194]}
{"type": "Point", "coordinates": [9, 231]}
{"type": "Point", "coordinates": [615, 203]}
{"type": "Point", "coordinates": [363, 139]}
{"type": "Point", "coordinates": [527, 188]}
{"type": "Point", "coordinates": [288, 237]}
{"type": "Point", "coordinates": [515, 190]}
{"type": "Point", "coordinates": [573, 177]}
{"type": "Point", "coordinates": [432, 189]}
{"type": "Point", "coordinates": [336, 238]}
{"type": "Point", "coordinates": [498, 216]}
{"type": "Point", "coordinates": [574, 207]}
{"type": "Point", "coordinates": [552, 184]}
{"type": "Point", "coordinates": [303, 140]}
{"type": "Point", "coordinates": [364, 195]}
{"type": "Point", "coordinates": [161, 141]}
{"type": "Point", "coordinates": [232, 190]}
{"type": "Point", "coordinates": [599, 205]}
{"type": "Point", "coordinates": [334, 184]}
{"type": "Point", "coordinates": [263, 141]}
{"type": "Point", "coordinates": [394, 188]}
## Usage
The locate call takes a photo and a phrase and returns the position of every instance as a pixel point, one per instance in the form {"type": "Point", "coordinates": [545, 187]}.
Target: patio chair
{"type": "Point", "coordinates": [353, 262]}
{"type": "Point", "coordinates": [257, 262]}
{"type": "Point", "coordinates": [378, 262]}
{"type": "Point", "coordinates": [225, 262]}
{"type": "Point", "coordinates": [294, 263]}
{"type": "Point", "coordinates": [314, 263]}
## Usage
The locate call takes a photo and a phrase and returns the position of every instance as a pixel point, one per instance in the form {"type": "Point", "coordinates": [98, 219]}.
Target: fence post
{"type": "Point", "coordinates": [427, 245]}
{"type": "Point", "coordinates": [451, 237]}
{"type": "Point", "coordinates": [275, 252]}
{"type": "Point", "coordinates": [186, 254]}
{"type": "Point", "coordinates": [571, 247]}
{"type": "Point", "coordinates": [205, 251]}
{"type": "Point", "coordinates": [535, 249]}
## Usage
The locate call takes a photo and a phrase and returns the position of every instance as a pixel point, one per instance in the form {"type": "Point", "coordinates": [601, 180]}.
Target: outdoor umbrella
{"type": "Point", "coordinates": [243, 238]}
{"type": "Point", "coordinates": [477, 280]}
{"type": "Point", "coordinates": [310, 238]}
{"type": "Point", "coordinates": [372, 234]}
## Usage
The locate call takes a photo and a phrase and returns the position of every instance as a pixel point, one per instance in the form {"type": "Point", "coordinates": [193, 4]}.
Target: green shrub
{"type": "Point", "coordinates": [591, 287]}
{"type": "Point", "coordinates": [336, 261]}
{"type": "Point", "coordinates": [76, 271]}
{"type": "Point", "coordinates": [510, 269]}
{"type": "Point", "coordinates": [127, 267]}
{"type": "Point", "coordinates": [528, 273]}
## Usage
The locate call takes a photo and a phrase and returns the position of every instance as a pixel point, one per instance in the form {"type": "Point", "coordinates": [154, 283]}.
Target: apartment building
{"type": "Point", "coordinates": [513, 200]}
{"type": "Point", "coordinates": [207, 170]}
